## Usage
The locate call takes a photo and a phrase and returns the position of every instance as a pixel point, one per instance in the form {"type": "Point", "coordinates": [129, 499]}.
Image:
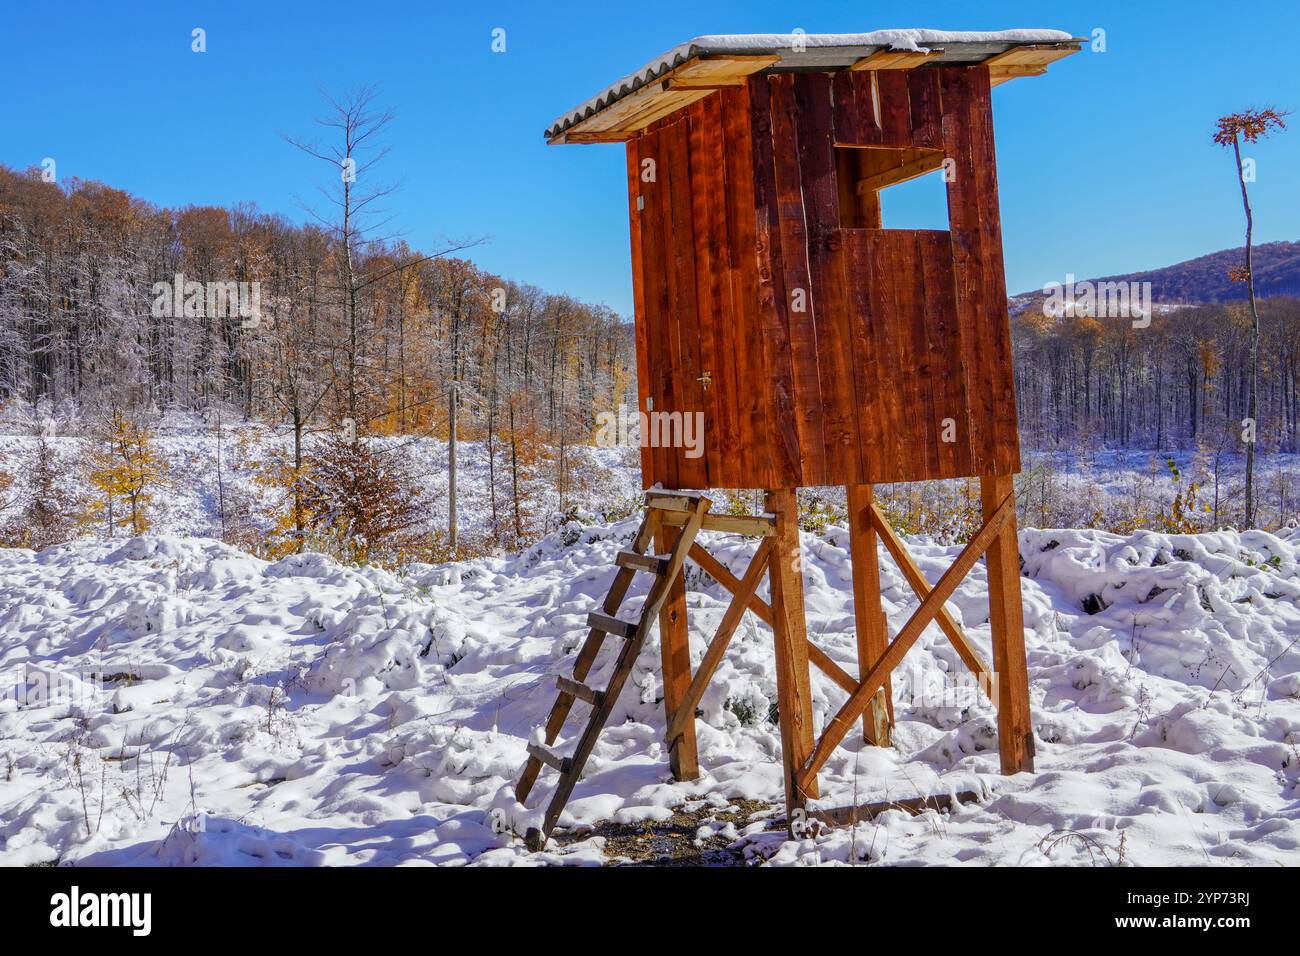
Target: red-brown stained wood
{"type": "Point", "coordinates": [705, 180]}
{"type": "Point", "coordinates": [828, 302]}
{"type": "Point", "coordinates": [980, 121]}
{"type": "Point", "coordinates": [895, 107]}
{"type": "Point", "coordinates": [901, 331]}
{"type": "Point", "coordinates": [854, 111]}
{"type": "Point", "coordinates": [1007, 622]}
{"type": "Point", "coordinates": [675, 659]}
{"type": "Point", "coordinates": [872, 424]}
{"type": "Point", "coordinates": [945, 354]}
{"type": "Point", "coordinates": [643, 372]}
{"type": "Point", "coordinates": [884, 266]}
{"type": "Point", "coordinates": [799, 303]}
{"type": "Point", "coordinates": [901, 305]}
{"type": "Point", "coordinates": [964, 213]}
{"type": "Point", "coordinates": [658, 305]}
{"type": "Point", "coordinates": [753, 467]}
{"type": "Point", "coordinates": [782, 431]}
{"type": "Point", "coordinates": [895, 363]}
{"type": "Point", "coordinates": [793, 682]}
{"type": "Point", "coordinates": [692, 472]}
{"type": "Point", "coordinates": [669, 317]}
{"type": "Point", "coordinates": [868, 611]}
{"type": "Point", "coordinates": [915, 309]}
{"type": "Point", "coordinates": [924, 99]}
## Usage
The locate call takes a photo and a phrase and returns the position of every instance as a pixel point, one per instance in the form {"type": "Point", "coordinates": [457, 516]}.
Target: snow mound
{"type": "Point", "coordinates": [172, 701]}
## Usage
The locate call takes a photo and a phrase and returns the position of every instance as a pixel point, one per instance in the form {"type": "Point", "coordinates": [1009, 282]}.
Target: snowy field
{"type": "Point", "coordinates": [172, 701]}
{"type": "Point", "coordinates": [188, 503]}
{"type": "Point", "coordinates": [1107, 488]}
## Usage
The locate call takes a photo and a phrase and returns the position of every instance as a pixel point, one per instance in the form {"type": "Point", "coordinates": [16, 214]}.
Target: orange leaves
{"type": "Point", "coordinates": [1208, 357]}
{"type": "Point", "coordinates": [1248, 125]}
{"type": "Point", "coordinates": [124, 465]}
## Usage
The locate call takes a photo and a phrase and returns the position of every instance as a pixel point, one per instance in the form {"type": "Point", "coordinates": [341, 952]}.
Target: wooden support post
{"type": "Point", "coordinates": [873, 639]}
{"type": "Point", "coordinates": [675, 653]}
{"type": "Point", "coordinates": [1006, 618]}
{"type": "Point", "coordinates": [793, 683]}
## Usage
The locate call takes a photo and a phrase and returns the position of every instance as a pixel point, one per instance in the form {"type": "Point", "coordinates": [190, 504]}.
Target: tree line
{"type": "Point", "coordinates": [1183, 381]}
{"type": "Point", "coordinates": [339, 334]}
{"type": "Point", "coordinates": [354, 335]}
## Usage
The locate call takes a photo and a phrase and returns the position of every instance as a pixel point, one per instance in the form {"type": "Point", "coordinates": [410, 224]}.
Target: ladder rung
{"type": "Point", "coordinates": [610, 625]}
{"type": "Point", "coordinates": [580, 690]}
{"type": "Point", "coordinates": [549, 757]}
{"type": "Point", "coordinates": [653, 563]}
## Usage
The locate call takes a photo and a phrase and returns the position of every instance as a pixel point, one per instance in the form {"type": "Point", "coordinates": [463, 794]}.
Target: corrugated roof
{"type": "Point", "coordinates": [822, 51]}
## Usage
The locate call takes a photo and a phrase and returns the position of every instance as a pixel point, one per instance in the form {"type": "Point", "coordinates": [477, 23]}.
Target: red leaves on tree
{"type": "Point", "coordinates": [1248, 125]}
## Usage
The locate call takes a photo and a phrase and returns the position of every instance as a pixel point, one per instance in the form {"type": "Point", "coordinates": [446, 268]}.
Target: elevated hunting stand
{"type": "Point", "coordinates": [820, 349]}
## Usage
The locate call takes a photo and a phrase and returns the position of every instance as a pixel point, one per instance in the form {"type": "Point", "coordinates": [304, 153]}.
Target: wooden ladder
{"type": "Point", "coordinates": [663, 508]}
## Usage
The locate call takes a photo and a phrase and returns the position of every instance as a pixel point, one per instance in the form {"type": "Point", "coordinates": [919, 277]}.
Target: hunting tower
{"type": "Point", "coordinates": [820, 346]}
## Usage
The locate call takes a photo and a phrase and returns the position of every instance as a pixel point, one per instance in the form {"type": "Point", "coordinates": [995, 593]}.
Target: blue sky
{"type": "Point", "coordinates": [1105, 164]}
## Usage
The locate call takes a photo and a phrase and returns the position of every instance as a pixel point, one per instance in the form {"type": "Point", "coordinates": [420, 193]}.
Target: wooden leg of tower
{"type": "Point", "coordinates": [675, 650]}
{"type": "Point", "coordinates": [793, 684]}
{"type": "Point", "coordinates": [1006, 617]}
{"type": "Point", "coordinates": [873, 639]}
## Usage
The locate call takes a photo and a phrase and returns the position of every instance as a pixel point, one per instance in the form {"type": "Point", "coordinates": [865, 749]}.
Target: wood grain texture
{"type": "Point", "coordinates": [821, 348]}
{"type": "Point", "coordinates": [793, 681]}
{"type": "Point", "coordinates": [1007, 621]}
{"type": "Point", "coordinates": [713, 329]}
{"type": "Point", "coordinates": [868, 611]}
{"type": "Point", "coordinates": [782, 428]}
{"type": "Point", "coordinates": [643, 371]}
{"type": "Point", "coordinates": [828, 302]}
{"type": "Point", "coordinates": [675, 659]}
{"type": "Point", "coordinates": [798, 307]}
{"type": "Point", "coordinates": [752, 467]}
{"type": "Point", "coordinates": [692, 470]}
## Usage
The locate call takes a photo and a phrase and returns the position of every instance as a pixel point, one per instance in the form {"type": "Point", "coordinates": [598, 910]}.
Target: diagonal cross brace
{"type": "Point", "coordinates": [816, 656]}
{"type": "Point", "coordinates": [852, 708]}
{"type": "Point", "coordinates": [912, 572]}
{"type": "Point", "coordinates": [742, 596]}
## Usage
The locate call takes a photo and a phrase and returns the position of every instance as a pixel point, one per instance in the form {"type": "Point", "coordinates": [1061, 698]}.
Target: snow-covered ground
{"type": "Point", "coordinates": [173, 701]}
{"type": "Point", "coordinates": [188, 502]}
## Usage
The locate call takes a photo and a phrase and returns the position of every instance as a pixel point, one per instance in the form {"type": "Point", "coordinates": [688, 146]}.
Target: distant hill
{"type": "Point", "coordinates": [1205, 279]}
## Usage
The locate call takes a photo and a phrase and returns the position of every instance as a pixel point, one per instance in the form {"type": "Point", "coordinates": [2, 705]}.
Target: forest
{"type": "Point", "coordinates": [354, 337]}
{"type": "Point", "coordinates": [1180, 382]}
{"type": "Point", "coordinates": [358, 337]}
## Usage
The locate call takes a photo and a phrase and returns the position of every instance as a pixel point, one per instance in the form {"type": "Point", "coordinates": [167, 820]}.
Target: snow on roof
{"type": "Point", "coordinates": [825, 50]}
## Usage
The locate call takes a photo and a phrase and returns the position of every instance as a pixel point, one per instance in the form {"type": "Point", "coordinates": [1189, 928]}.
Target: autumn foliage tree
{"type": "Point", "coordinates": [125, 467]}
{"type": "Point", "coordinates": [360, 502]}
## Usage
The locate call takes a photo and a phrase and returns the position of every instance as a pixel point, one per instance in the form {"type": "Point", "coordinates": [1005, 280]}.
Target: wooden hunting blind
{"type": "Point", "coordinates": [819, 346]}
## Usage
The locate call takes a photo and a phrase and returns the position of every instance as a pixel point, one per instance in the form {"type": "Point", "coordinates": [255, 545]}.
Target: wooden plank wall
{"type": "Point", "coordinates": [693, 247]}
{"type": "Point", "coordinates": [833, 355]}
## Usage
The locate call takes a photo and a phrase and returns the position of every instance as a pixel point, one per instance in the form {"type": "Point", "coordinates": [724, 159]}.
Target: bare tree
{"type": "Point", "coordinates": [357, 123]}
{"type": "Point", "coordinates": [1249, 125]}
